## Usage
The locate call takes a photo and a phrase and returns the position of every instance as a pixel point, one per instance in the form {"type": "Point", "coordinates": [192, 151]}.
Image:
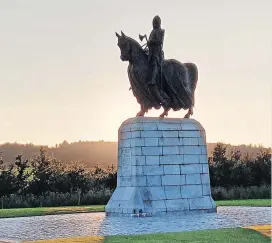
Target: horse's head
{"type": "Point", "coordinates": [130, 49]}
{"type": "Point", "coordinates": [125, 46]}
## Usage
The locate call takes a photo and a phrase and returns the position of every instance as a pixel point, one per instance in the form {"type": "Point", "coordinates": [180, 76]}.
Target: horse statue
{"type": "Point", "coordinates": [178, 80]}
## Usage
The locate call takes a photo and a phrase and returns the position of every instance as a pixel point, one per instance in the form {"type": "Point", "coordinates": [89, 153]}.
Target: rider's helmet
{"type": "Point", "coordinates": [156, 22]}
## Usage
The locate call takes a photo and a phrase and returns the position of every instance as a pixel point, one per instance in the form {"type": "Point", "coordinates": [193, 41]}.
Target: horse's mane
{"type": "Point", "coordinates": [135, 42]}
{"type": "Point", "coordinates": [139, 53]}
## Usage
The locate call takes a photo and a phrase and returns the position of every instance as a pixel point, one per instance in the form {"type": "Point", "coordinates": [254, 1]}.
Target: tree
{"type": "Point", "coordinates": [41, 174]}
{"type": "Point", "coordinates": [22, 172]}
{"type": "Point", "coordinates": [78, 180]}
{"type": "Point", "coordinates": [260, 169]}
{"type": "Point", "coordinates": [221, 167]}
{"type": "Point", "coordinates": [7, 180]}
{"type": "Point", "coordinates": [110, 180]}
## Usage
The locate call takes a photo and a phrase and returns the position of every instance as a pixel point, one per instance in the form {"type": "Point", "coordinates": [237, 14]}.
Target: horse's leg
{"type": "Point", "coordinates": [165, 112]}
{"type": "Point", "coordinates": [189, 113]}
{"type": "Point", "coordinates": [142, 111]}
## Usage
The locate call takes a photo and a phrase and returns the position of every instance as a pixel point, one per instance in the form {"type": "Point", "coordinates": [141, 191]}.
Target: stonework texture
{"type": "Point", "coordinates": [162, 168]}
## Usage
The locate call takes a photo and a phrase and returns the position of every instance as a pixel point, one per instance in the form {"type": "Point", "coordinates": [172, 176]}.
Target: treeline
{"type": "Point", "coordinates": [45, 181]}
{"type": "Point", "coordinates": [92, 153]}
{"type": "Point", "coordinates": [239, 176]}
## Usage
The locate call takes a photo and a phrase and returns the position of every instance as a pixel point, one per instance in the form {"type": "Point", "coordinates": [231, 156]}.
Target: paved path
{"type": "Point", "coordinates": [86, 224]}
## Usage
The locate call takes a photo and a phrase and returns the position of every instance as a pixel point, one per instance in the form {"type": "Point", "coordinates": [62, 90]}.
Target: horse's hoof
{"type": "Point", "coordinates": [187, 116]}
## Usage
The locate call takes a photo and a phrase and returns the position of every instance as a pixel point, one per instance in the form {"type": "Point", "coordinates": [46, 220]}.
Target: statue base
{"type": "Point", "coordinates": [162, 168]}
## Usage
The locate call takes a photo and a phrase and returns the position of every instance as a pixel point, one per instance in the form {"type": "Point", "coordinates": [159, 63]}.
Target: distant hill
{"type": "Point", "coordinates": [92, 153]}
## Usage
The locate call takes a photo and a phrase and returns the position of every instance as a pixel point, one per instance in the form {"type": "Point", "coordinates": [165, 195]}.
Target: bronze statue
{"type": "Point", "coordinates": [157, 82]}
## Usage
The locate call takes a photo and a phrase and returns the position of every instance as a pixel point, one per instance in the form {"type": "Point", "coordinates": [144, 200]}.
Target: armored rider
{"type": "Point", "coordinates": [155, 59]}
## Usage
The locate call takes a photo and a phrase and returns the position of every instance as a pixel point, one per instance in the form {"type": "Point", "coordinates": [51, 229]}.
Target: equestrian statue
{"type": "Point", "coordinates": [157, 82]}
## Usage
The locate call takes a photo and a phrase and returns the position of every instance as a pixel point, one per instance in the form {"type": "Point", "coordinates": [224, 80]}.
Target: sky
{"type": "Point", "coordinates": [61, 77]}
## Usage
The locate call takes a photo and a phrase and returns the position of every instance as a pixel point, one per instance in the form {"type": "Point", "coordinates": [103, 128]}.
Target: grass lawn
{"type": "Point", "coordinates": [249, 202]}
{"type": "Point", "coordinates": [26, 212]}
{"type": "Point", "coordinates": [203, 236]}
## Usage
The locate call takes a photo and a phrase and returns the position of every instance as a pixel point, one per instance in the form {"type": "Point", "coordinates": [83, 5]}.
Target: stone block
{"type": "Point", "coordinates": [135, 134]}
{"type": "Point", "coordinates": [177, 205]}
{"type": "Point", "coordinates": [204, 150]}
{"type": "Point", "coordinates": [181, 147]}
{"type": "Point", "coordinates": [169, 141]}
{"type": "Point", "coordinates": [166, 150]}
{"type": "Point", "coordinates": [192, 149]}
{"type": "Point", "coordinates": [171, 169]}
{"type": "Point", "coordinates": [205, 168]}
{"type": "Point", "coordinates": [172, 192]}
{"type": "Point", "coordinates": [152, 160]}
{"type": "Point", "coordinates": [137, 142]}
{"type": "Point", "coordinates": [137, 170]}
{"type": "Point", "coordinates": [151, 134]}
{"type": "Point", "coordinates": [201, 141]}
{"type": "Point", "coordinates": [189, 126]}
{"type": "Point", "coordinates": [191, 169]}
{"type": "Point", "coordinates": [159, 205]}
{"type": "Point", "coordinates": [203, 159]}
{"type": "Point", "coordinates": [157, 193]}
{"type": "Point", "coordinates": [153, 170]}
{"type": "Point", "coordinates": [151, 142]}
{"type": "Point", "coordinates": [200, 203]}
{"type": "Point", "coordinates": [173, 180]}
{"type": "Point", "coordinates": [125, 128]}
{"type": "Point", "coordinates": [170, 134]}
{"type": "Point", "coordinates": [190, 159]}
{"type": "Point", "coordinates": [128, 193]}
{"type": "Point", "coordinates": [168, 126]}
{"type": "Point", "coordinates": [193, 179]}
{"type": "Point", "coordinates": [191, 191]}
{"type": "Point", "coordinates": [206, 190]}
{"type": "Point", "coordinates": [136, 151]}
{"type": "Point", "coordinates": [138, 181]}
{"type": "Point", "coordinates": [189, 134]}
{"type": "Point", "coordinates": [205, 179]}
{"type": "Point", "coordinates": [118, 194]}
{"type": "Point", "coordinates": [152, 150]}
{"type": "Point", "coordinates": [136, 127]}
{"type": "Point", "coordinates": [138, 160]}
{"type": "Point", "coordinates": [125, 135]}
{"type": "Point", "coordinates": [125, 143]}
{"type": "Point", "coordinates": [125, 181]}
{"type": "Point", "coordinates": [154, 180]}
{"type": "Point", "coordinates": [171, 159]}
{"type": "Point", "coordinates": [190, 141]}
{"type": "Point", "coordinates": [150, 126]}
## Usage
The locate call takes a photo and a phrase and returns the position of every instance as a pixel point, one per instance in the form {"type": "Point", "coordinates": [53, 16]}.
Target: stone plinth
{"type": "Point", "coordinates": [162, 168]}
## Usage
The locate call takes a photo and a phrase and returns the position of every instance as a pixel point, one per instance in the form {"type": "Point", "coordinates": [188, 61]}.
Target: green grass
{"type": "Point", "coordinates": [237, 235]}
{"type": "Point", "coordinates": [249, 202]}
{"type": "Point", "coordinates": [26, 212]}
{"type": "Point", "coordinates": [203, 236]}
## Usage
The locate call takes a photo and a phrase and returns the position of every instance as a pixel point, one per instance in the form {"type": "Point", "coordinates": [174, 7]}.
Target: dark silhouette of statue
{"type": "Point", "coordinates": [156, 82]}
{"type": "Point", "coordinates": [155, 59]}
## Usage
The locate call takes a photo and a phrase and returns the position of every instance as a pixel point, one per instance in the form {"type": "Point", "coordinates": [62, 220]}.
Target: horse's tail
{"type": "Point", "coordinates": [193, 78]}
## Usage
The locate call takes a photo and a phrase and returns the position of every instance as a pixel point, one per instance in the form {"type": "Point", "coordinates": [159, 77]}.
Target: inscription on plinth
{"type": "Point", "coordinates": [125, 158]}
